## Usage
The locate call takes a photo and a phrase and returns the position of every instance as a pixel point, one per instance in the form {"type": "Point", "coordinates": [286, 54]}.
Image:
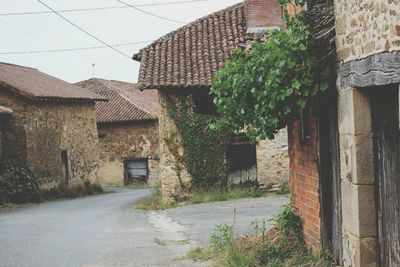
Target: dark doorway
{"type": "Point", "coordinates": [136, 171]}
{"type": "Point", "coordinates": [385, 122]}
{"type": "Point", "coordinates": [242, 161]}
{"type": "Point", "coordinates": [64, 167]}
{"type": "Point", "coordinates": [330, 182]}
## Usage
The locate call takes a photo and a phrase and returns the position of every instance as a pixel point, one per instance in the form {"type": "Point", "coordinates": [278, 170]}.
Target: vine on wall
{"type": "Point", "coordinates": [195, 147]}
{"type": "Point", "coordinates": [263, 88]}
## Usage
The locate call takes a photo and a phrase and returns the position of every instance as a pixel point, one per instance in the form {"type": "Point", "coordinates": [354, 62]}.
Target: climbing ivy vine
{"type": "Point", "coordinates": [195, 147]}
{"type": "Point", "coordinates": [261, 89]}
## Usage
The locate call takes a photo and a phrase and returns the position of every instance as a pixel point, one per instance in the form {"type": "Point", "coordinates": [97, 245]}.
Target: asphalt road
{"type": "Point", "coordinates": [106, 230]}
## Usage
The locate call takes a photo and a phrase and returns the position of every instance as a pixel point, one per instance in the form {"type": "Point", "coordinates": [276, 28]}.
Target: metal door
{"type": "Point", "coordinates": [136, 170]}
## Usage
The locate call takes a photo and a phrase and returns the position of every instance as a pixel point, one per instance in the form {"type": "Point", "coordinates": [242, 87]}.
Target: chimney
{"type": "Point", "coordinates": [262, 15]}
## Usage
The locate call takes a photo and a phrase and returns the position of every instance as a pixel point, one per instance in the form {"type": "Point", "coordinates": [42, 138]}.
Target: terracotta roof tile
{"type": "Point", "coordinates": [126, 102]}
{"type": "Point", "coordinates": [36, 85]}
{"type": "Point", "coordinates": [192, 54]}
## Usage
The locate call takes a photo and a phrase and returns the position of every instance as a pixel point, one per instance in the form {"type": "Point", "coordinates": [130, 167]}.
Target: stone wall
{"type": "Point", "coordinates": [38, 131]}
{"type": "Point", "coordinates": [170, 184]}
{"type": "Point", "coordinates": [120, 141]}
{"type": "Point", "coordinates": [366, 27]}
{"type": "Point", "coordinates": [273, 160]}
{"type": "Point", "coordinates": [357, 176]}
{"type": "Point", "coordinates": [304, 181]}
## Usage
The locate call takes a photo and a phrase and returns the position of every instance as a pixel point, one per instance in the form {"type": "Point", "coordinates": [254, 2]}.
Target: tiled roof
{"type": "Point", "coordinates": [126, 102]}
{"type": "Point", "coordinates": [5, 110]}
{"type": "Point", "coordinates": [36, 85]}
{"type": "Point", "coordinates": [192, 54]}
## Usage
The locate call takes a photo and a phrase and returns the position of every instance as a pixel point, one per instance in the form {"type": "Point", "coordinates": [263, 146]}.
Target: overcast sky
{"type": "Point", "coordinates": [39, 32]}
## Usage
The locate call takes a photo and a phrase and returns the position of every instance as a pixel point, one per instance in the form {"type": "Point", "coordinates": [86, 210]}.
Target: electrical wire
{"type": "Point", "coordinates": [97, 8]}
{"type": "Point", "coordinates": [70, 49]}
{"type": "Point", "coordinates": [149, 13]}
{"type": "Point", "coordinates": [83, 30]}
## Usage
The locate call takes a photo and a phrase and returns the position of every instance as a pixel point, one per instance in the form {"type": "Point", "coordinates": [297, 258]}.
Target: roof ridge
{"type": "Point", "coordinates": [169, 35]}
{"type": "Point", "coordinates": [127, 98]}
{"type": "Point", "coordinates": [20, 66]}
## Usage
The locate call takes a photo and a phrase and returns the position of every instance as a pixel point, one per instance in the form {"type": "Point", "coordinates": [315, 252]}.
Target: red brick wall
{"type": "Point", "coordinates": [305, 182]}
{"type": "Point", "coordinates": [263, 13]}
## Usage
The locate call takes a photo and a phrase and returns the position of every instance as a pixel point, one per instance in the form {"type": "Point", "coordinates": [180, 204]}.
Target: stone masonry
{"type": "Point", "coordinates": [127, 141]}
{"type": "Point", "coordinates": [366, 27]}
{"type": "Point", "coordinates": [273, 160]}
{"type": "Point", "coordinates": [37, 132]}
{"type": "Point", "coordinates": [170, 184]}
{"type": "Point", "coordinates": [357, 175]}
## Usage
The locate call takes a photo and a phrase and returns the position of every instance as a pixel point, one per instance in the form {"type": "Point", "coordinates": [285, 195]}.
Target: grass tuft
{"type": "Point", "coordinates": [285, 190]}
{"type": "Point", "coordinates": [155, 202]}
{"type": "Point", "coordinates": [283, 245]}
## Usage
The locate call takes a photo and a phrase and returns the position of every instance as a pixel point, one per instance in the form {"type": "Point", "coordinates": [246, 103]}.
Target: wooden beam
{"type": "Point", "coordinates": [375, 70]}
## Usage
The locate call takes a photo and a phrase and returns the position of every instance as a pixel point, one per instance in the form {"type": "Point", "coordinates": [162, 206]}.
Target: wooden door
{"type": "Point", "coordinates": [385, 114]}
{"type": "Point", "coordinates": [331, 208]}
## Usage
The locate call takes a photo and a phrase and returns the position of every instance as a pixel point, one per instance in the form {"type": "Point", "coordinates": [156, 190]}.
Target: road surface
{"type": "Point", "coordinates": [106, 230]}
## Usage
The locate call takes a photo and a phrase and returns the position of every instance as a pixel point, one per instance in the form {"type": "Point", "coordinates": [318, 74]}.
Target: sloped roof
{"type": "Point", "coordinates": [36, 85]}
{"type": "Point", "coordinates": [192, 54]}
{"type": "Point", "coordinates": [126, 102]}
{"type": "Point", "coordinates": [5, 110]}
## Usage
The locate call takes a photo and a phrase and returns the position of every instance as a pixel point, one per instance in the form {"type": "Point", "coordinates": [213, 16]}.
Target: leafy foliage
{"type": "Point", "coordinates": [263, 88]}
{"type": "Point", "coordinates": [18, 184]}
{"type": "Point", "coordinates": [203, 149]}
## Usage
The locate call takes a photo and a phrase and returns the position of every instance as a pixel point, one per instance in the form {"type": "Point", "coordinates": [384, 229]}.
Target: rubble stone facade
{"type": "Point", "coordinates": [131, 140]}
{"type": "Point", "coordinates": [37, 132]}
{"type": "Point", "coordinates": [170, 184]}
{"type": "Point", "coordinates": [273, 160]}
{"type": "Point", "coordinates": [364, 30]}
{"type": "Point", "coordinates": [366, 27]}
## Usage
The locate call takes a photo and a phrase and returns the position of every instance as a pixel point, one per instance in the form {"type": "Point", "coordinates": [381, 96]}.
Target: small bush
{"type": "Point", "coordinates": [285, 190]}
{"type": "Point", "coordinates": [18, 184]}
{"type": "Point", "coordinates": [281, 246]}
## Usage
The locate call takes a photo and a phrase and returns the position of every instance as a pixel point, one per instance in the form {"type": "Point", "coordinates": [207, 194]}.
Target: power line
{"type": "Point", "coordinates": [86, 32]}
{"type": "Point", "coordinates": [97, 8]}
{"type": "Point", "coordinates": [70, 49]}
{"type": "Point", "coordinates": [149, 13]}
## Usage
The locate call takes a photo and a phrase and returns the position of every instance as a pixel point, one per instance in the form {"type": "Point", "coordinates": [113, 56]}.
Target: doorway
{"type": "Point", "coordinates": [330, 182]}
{"type": "Point", "coordinates": [136, 171]}
{"type": "Point", "coordinates": [385, 124]}
{"type": "Point", "coordinates": [64, 168]}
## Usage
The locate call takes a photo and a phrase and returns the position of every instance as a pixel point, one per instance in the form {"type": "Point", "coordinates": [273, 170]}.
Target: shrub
{"type": "Point", "coordinates": [18, 184]}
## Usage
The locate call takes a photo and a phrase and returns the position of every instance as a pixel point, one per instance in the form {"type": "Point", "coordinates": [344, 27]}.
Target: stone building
{"type": "Point", "coordinates": [128, 132]}
{"type": "Point", "coordinates": [50, 126]}
{"type": "Point", "coordinates": [183, 63]}
{"type": "Point", "coordinates": [345, 148]}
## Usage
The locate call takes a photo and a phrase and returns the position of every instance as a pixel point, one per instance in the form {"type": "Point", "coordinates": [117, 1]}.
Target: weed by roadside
{"type": "Point", "coordinates": [155, 202]}
{"type": "Point", "coordinates": [283, 245]}
{"type": "Point", "coordinates": [285, 190]}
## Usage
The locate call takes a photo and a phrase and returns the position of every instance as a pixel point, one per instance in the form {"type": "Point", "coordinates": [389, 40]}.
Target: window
{"type": "Point", "coordinates": [305, 124]}
{"type": "Point", "coordinates": [203, 102]}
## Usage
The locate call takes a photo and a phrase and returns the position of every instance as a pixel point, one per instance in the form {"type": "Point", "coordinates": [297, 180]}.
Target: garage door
{"type": "Point", "coordinates": [135, 171]}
